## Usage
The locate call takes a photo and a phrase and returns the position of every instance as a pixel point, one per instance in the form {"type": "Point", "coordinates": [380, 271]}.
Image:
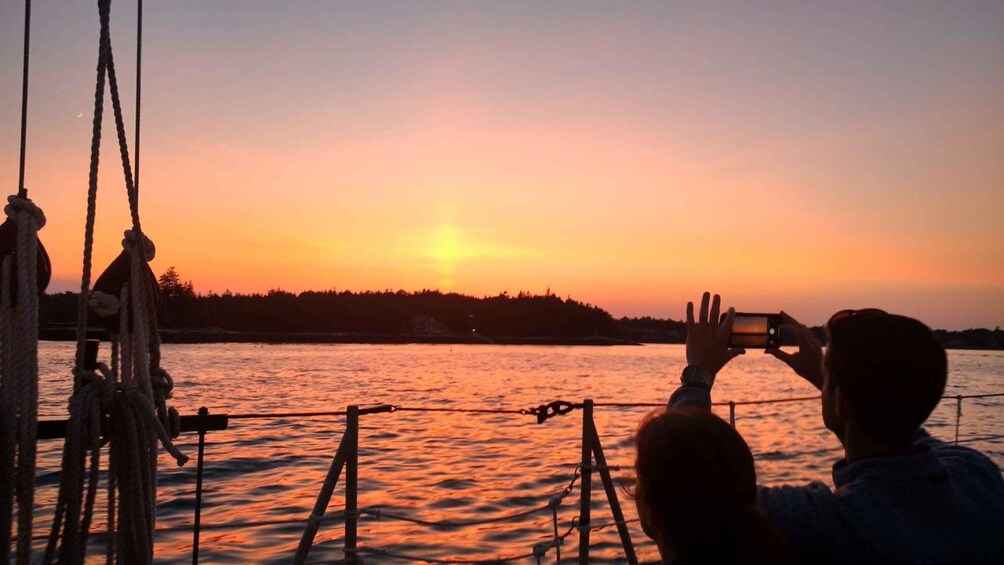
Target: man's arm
{"type": "Point", "coordinates": [691, 397]}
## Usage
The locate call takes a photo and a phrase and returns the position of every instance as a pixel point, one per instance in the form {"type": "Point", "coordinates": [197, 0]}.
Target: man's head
{"type": "Point", "coordinates": [889, 371]}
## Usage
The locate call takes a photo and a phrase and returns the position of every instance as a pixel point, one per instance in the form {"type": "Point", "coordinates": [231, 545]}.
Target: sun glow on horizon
{"type": "Point", "coordinates": [802, 157]}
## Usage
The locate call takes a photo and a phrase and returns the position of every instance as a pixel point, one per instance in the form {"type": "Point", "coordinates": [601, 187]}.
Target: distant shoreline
{"type": "Point", "coordinates": [220, 336]}
{"type": "Point", "coordinates": [196, 336]}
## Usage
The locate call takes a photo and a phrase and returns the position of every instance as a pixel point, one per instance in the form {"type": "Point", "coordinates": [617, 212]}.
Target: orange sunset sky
{"type": "Point", "coordinates": [631, 155]}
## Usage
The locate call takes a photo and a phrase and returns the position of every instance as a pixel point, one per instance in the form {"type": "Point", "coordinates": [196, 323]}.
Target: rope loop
{"type": "Point", "coordinates": [103, 304]}
{"type": "Point", "coordinates": [104, 381]}
{"type": "Point", "coordinates": [130, 238]}
{"type": "Point", "coordinates": [541, 549]}
{"type": "Point", "coordinates": [161, 380]}
{"type": "Point", "coordinates": [21, 206]}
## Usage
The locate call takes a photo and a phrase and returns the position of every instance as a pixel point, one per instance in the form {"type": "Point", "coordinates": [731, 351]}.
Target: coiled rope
{"type": "Point", "coordinates": [19, 385]}
{"type": "Point", "coordinates": [19, 343]}
{"type": "Point", "coordinates": [132, 396]}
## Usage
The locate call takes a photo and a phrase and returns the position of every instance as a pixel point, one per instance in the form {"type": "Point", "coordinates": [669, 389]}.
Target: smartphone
{"type": "Point", "coordinates": [755, 331]}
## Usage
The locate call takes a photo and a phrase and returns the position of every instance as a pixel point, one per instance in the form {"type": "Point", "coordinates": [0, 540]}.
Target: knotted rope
{"type": "Point", "coordinates": [19, 378]}
{"type": "Point", "coordinates": [132, 398]}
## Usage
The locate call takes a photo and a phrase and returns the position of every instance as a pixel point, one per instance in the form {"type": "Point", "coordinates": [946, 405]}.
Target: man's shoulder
{"type": "Point", "coordinates": [961, 459]}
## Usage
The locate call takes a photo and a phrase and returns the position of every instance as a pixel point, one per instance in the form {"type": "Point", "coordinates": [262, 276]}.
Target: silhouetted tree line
{"type": "Point", "coordinates": [387, 312]}
{"type": "Point", "coordinates": [426, 312]}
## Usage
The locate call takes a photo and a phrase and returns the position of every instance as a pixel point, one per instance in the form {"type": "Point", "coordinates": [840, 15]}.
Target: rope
{"type": "Point", "coordinates": [603, 526]}
{"type": "Point", "coordinates": [538, 552]}
{"type": "Point", "coordinates": [981, 438]}
{"type": "Point", "coordinates": [92, 196]}
{"type": "Point", "coordinates": [139, 90]}
{"type": "Point", "coordinates": [524, 411]}
{"type": "Point", "coordinates": [988, 395]}
{"type": "Point", "coordinates": [379, 513]}
{"type": "Point", "coordinates": [20, 373]}
{"type": "Point", "coordinates": [8, 414]}
{"type": "Point", "coordinates": [83, 435]}
{"type": "Point", "coordinates": [113, 88]}
{"type": "Point", "coordinates": [134, 396]}
{"type": "Point", "coordinates": [411, 557]}
{"type": "Point", "coordinates": [377, 409]}
{"type": "Point", "coordinates": [24, 94]}
{"type": "Point", "coordinates": [460, 410]}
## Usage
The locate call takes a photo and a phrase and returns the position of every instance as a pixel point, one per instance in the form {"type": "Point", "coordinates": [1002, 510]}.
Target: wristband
{"type": "Point", "coordinates": [697, 376]}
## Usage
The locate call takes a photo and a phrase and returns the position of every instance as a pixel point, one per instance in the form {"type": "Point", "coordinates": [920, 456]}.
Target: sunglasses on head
{"type": "Point", "coordinates": [844, 314]}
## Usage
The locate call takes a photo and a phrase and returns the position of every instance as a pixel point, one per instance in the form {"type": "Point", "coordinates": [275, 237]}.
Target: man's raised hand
{"type": "Point", "coordinates": [707, 339]}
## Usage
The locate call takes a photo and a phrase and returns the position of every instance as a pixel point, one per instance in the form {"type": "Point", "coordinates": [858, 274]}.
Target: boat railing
{"type": "Point", "coordinates": [346, 460]}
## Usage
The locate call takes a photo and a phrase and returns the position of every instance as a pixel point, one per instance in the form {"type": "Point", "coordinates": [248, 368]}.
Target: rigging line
{"type": "Point", "coordinates": [459, 410]}
{"type": "Point", "coordinates": [269, 415]}
{"type": "Point", "coordinates": [981, 438]}
{"type": "Point", "coordinates": [139, 94]}
{"type": "Point", "coordinates": [24, 96]}
{"type": "Point", "coordinates": [380, 513]}
{"type": "Point", "coordinates": [988, 395]}
{"type": "Point", "coordinates": [113, 89]}
{"type": "Point", "coordinates": [457, 561]}
{"type": "Point", "coordinates": [522, 412]}
{"type": "Point", "coordinates": [92, 196]}
{"type": "Point", "coordinates": [365, 410]}
{"type": "Point", "coordinates": [769, 401]}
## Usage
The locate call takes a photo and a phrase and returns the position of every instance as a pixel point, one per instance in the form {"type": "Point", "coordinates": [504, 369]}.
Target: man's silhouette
{"type": "Point", "coordinates": [899, 495]}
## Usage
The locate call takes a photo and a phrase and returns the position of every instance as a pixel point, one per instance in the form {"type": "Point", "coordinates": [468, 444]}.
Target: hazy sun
{"type": "Point", "coordinates": [448, 244]}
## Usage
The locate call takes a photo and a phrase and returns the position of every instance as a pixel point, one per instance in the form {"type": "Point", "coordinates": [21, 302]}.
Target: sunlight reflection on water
{"type": "Point", "coordinates": [454, 466]}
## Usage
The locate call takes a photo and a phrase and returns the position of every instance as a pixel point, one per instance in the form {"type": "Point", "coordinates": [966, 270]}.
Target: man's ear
{"type": "Point", "coordinates": [843, 408]}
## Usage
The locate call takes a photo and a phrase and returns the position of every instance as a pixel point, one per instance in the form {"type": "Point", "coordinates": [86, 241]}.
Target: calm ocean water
{"type": "Point", "coordinates": [456, 466]}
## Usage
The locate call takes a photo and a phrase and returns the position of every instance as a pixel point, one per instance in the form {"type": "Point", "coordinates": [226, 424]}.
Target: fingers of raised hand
{"type": "Point", "coordinates": [690, 315]}
{"type": "Point", "coordinates": [704, 308]}
{"type": "Point", "coordinates": [716, 308]}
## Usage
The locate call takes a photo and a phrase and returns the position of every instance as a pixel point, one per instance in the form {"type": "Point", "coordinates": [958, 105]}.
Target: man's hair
{"type": "Point", "coordinates": [891, 369]}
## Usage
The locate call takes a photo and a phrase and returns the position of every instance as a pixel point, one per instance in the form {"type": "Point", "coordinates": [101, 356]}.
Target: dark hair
{"type": "Point", "coordinates": [695, 472]}
{"type": "Point", "coordinates": [891, 369]}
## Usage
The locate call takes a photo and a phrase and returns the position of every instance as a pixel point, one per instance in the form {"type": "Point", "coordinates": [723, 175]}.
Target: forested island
{"type": "Point", "coordinates": [427, 316]}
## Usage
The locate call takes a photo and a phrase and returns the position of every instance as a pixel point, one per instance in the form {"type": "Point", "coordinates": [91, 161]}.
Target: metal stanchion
{"type": "Point", "coordinates": [351, 484]}
{"type": "Point", "coordinates": [615, 506]}
{"type": "Point", "coordinates": [203, 412]}
{"type": "Point", "coordinates": [323, 498]}
{"type": "Point", "coordinates": [585, 482]}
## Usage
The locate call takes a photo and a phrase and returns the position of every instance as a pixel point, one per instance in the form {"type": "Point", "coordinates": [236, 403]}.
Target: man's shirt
{"type": "Point", "coordinates": [939, 503]}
